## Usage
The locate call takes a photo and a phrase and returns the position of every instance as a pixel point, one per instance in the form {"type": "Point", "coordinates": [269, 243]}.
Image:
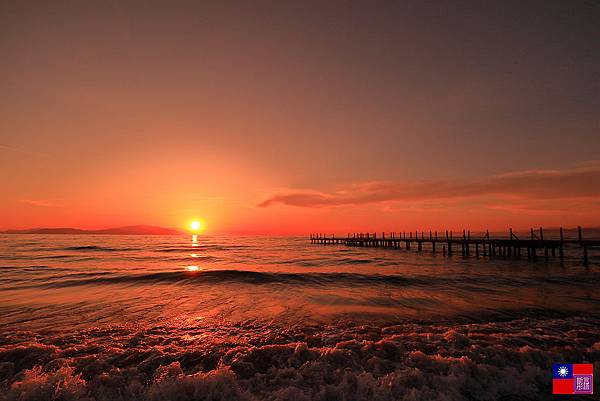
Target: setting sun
{"type": "Point", "coordinates": [197, 225]}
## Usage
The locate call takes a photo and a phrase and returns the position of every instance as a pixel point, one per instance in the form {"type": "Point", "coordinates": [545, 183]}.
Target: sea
{"type": "Point", "coordinates": [208, 317]}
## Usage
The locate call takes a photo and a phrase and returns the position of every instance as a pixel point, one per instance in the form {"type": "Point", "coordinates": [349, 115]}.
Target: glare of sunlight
{"type": "Point", "coordinates": [197, 225]}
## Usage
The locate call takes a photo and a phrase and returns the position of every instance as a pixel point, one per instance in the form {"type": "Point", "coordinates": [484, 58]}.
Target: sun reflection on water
{"type": "Point", "coordinates": [194, 268]}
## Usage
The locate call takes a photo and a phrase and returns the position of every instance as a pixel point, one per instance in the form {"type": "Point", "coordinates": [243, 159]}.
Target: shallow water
{"type": "Point", "coordinates": [162, 317]}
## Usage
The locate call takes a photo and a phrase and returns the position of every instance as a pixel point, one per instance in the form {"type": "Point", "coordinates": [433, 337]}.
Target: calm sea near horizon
{"type": "Point", "coordinates": [93, 317]}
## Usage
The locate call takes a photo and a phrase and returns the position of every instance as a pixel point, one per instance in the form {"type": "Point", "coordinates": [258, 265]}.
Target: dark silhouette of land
{"type": "Point", "coordinates": [127, 230]}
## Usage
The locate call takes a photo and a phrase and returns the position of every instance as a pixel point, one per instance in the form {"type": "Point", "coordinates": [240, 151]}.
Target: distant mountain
{"type": "Point", "coordinates": [128, 230]}
{"type": "Point", "coordinates": [140, 230]}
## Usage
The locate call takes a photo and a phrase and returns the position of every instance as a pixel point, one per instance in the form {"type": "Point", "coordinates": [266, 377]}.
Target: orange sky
{"type": "Point", "coordinates": [292, 118]}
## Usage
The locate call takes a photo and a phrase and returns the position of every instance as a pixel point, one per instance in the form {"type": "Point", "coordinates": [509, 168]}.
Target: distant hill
{"type": "Point", "coordinates": [128, 230]}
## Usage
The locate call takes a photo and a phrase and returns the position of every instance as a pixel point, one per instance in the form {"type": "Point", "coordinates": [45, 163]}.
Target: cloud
{"type": "Point", "coordinates": [534, 208]}
{"type": "Point", "coordinates": [38, 202]}
{"type": "Point", "coordinates": [579, 182]}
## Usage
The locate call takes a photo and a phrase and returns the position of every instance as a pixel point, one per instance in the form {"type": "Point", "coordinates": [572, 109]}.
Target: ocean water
{"type": "Point", "coordinates": [86, 317]}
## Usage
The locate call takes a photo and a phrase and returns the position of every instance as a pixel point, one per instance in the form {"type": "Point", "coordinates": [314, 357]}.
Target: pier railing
{"type": "Point", "coordinates": [512, 246]}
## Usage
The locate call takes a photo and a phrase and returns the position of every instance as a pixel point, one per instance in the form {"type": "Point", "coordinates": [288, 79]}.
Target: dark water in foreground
{"type": "Point", "coordinates": [167, 318]}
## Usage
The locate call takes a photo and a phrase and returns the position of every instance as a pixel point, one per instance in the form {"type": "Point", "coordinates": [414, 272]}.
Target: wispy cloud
{"type": "Point", "coordinates": [578, 182]}
{"type": "Point", "coordinates": [38, 202]}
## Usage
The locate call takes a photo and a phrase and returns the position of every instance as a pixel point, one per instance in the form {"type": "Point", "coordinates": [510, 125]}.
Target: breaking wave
{"type": "Point", "coordinates": [489, 361]}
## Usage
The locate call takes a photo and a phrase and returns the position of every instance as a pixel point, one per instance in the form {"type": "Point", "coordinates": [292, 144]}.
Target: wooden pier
{"type": "Point", "coordinates": [448, 243]}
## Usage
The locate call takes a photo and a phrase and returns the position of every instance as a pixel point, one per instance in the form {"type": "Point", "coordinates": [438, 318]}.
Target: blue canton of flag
{"type": "Point", "coordinates": [562, 371]}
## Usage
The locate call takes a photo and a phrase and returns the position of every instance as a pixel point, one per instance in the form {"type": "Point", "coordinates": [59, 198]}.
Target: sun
{"type": "Point", "coordinates": [563, 371]}
{"type": "Point", "coordinates": [197, 226]}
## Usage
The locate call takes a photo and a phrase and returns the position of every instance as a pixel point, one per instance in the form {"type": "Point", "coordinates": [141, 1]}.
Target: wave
{"type": "Point", "coordinates": [83, 248]}
{"type": "Point", "coordinates": [410, 361]}
{"type": "Point", "coordinates": [201, 248]}
{"type": "Point", "coordinates": [97, 248]}
{"type": "Point", "coordinates": [242, 277]}
{"type": "Point", "coordinates": [489, 284]}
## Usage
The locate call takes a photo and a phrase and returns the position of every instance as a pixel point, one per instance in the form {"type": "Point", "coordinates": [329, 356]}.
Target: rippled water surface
{"type": "Point", "coordinates": [148, 317]}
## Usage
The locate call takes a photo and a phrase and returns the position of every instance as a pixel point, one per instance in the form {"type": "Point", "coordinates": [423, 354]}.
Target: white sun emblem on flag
{"type": "Point", "coordinates": [563, 371]}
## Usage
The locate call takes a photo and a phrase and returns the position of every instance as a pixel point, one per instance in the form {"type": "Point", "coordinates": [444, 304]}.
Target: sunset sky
{"type": "Point", "coordinates": [293, 117]}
